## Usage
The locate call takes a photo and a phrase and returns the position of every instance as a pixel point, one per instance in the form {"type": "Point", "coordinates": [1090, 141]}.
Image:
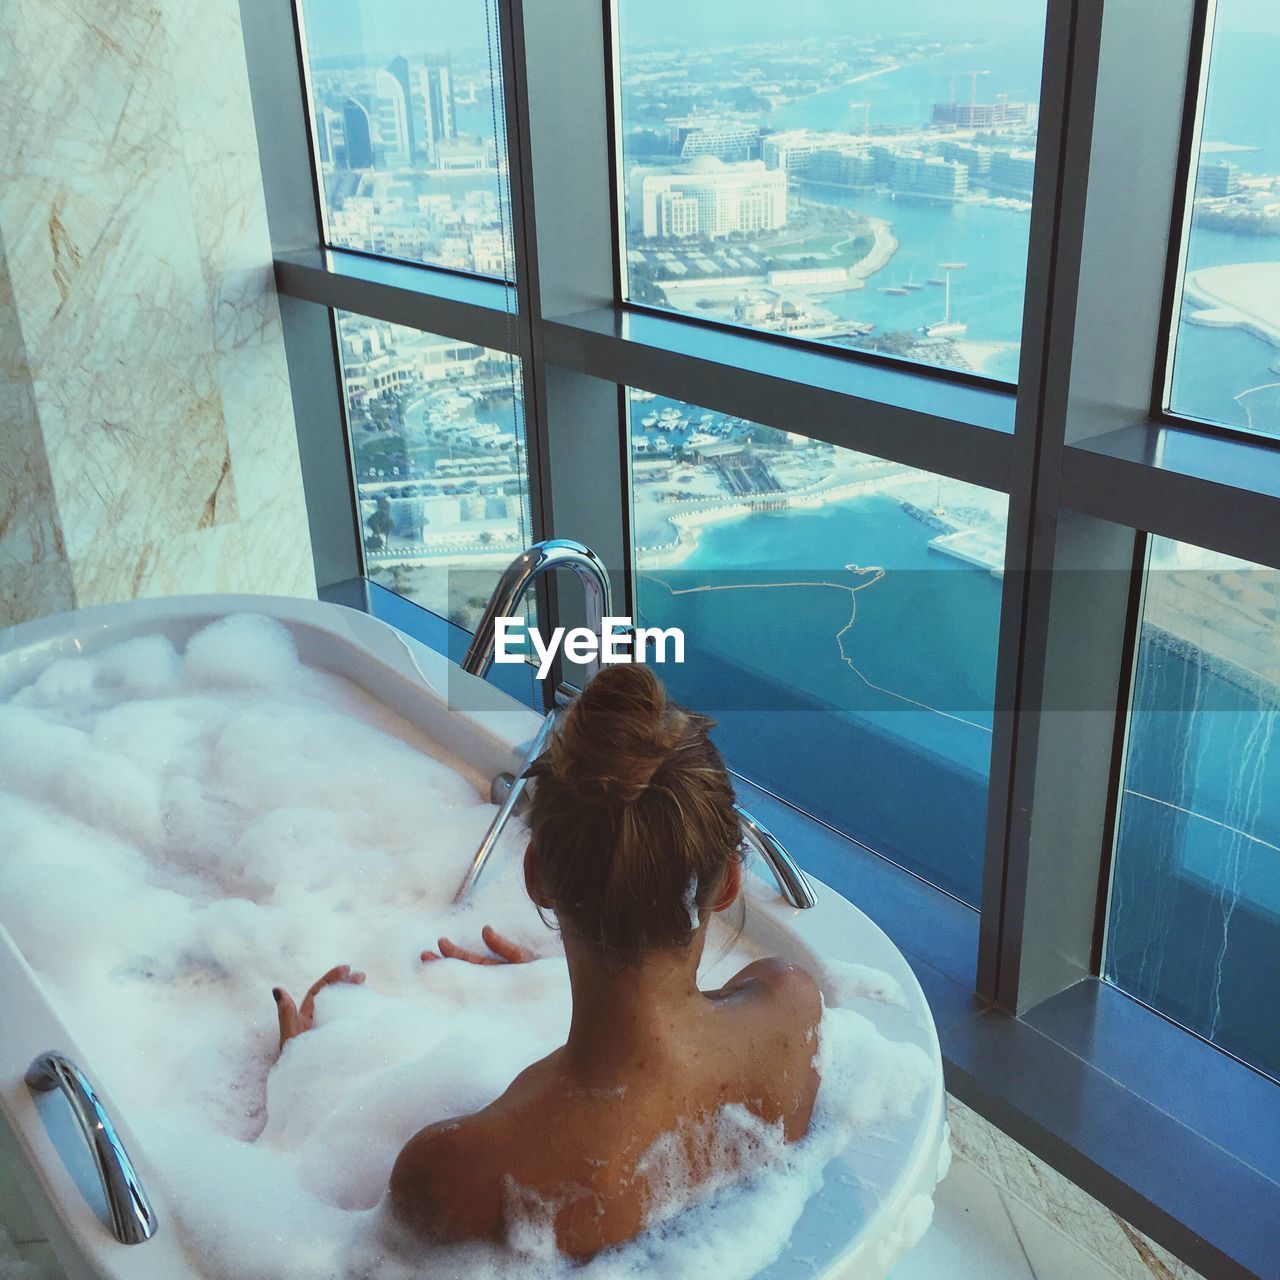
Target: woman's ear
{"type": "Point", "coordinates": [533, 879]}
{"type": "Point", "coordinates": [731, 888]}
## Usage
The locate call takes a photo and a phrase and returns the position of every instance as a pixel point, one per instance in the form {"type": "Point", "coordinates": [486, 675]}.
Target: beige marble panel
{"type": "Point", "coordinates": [1119, 1246]}
{"type": "Point", "coordinates": [85, 88]}
{"type": "Point", "coordinates": [143, 381]}
{"type": "Point", "coordinates": [35, 578]}
{"type": "Point", "coordinates": [213, 110]}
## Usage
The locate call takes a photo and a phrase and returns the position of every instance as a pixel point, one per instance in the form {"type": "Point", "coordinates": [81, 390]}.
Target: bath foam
{"type": "Point", "coordinates": [179, 832]}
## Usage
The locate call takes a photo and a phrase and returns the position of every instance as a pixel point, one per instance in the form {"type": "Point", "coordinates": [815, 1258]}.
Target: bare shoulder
{"type": "Point", "coordinates": [441, 1185]}
{"type": "Point", "coordinates": [778, 980]}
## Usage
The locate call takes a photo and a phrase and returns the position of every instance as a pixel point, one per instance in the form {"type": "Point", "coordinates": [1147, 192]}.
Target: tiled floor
{"type": "Point", "coordinates": [978, 1233]}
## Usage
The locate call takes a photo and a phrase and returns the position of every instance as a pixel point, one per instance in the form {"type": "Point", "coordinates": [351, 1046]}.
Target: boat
{"type": "Point", "coordinates": [649, 421]}
{"type": "Point", "coordinates": [895, 290]}
{"type": "Point", "coordinates": [938, 280]}
{"type": "Point", "coordinates": [911, 285]}
{"type": "Point", "coordinates": [946, 327]}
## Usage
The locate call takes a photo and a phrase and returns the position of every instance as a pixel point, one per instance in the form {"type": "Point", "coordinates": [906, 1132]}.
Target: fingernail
{"type": "Point", "coordinates": [276, 994]}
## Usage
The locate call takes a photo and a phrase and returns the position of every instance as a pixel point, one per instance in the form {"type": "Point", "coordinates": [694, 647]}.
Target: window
{"type": "Point", "coordinates": [840, 615]}
{"type": "Point", "coordinates": [1226, 362]}
{"type": "Point", "coordinates": [407, 122]}
{"type": "Point", "coordinates": [840, 177]}
{"type": "Point", "coordinates": [1194, 927]}
{"type": "Point", "coordinates": [438, 451]}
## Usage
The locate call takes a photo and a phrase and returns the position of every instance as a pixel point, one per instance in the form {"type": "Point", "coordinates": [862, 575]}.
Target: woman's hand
{"type": "Point", "coordinates": [294, 1020]}
{"type": "Point", "coordinates": [504, 950]}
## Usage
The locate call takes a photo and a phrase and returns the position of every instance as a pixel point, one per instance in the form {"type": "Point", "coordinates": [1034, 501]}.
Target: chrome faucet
{"type": "Point", "coordinates": [520, 575]}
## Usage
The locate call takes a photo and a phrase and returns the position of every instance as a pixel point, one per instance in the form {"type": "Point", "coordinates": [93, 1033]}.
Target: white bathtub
{"type": "Point", "coordinates": [869, 1210]}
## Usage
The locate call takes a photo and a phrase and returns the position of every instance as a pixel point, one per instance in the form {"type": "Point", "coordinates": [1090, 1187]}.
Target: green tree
{"type": "Point", "coordinates": [380, 524]}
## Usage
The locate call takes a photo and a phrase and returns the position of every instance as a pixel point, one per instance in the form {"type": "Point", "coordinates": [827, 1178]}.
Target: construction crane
{"type": "Point", "coordinates": [866, 119]}
{"type": "Point", "coordinates": [973, 83]}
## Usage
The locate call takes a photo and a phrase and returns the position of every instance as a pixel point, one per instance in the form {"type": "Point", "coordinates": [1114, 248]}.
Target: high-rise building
{"type": "Point", "coordinates": [707, 198]}
{"type": "Point", "coordinates": [328, 134]}
{"type": "Point", "coordinates": [357, 135]}
{"type": "Point", "coordinates": [441, 104]}
{"type": "Point", "coordinates": [407, 80]}
{"type": "Point", "coordinates": [390, 117]}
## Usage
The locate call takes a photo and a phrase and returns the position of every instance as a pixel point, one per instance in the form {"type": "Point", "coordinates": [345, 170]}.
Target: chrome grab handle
{"type": "Point", "coordinates": [792, 883]}
{"type": "Point", "coordinates": [133, 1220]}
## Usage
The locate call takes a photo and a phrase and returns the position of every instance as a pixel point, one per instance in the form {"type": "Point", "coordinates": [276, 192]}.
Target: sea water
{"type": "Point", "coordinates": [182, 831]}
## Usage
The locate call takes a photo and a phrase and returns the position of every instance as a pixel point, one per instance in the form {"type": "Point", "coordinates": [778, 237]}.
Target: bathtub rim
{"type": "Point", "coordinates": [492, 734]}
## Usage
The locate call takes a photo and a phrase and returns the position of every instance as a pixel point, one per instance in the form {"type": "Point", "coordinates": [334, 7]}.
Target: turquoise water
{"type": "Point", "coordinates": [856, 737]}
{"type": "Point", "coordinates": [1213, 365]}
{"type": "Point", "coordinates": [987, 295]}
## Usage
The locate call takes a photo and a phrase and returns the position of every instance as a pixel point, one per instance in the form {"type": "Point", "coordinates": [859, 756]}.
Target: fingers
{"type": "Point", "coordinates": [511, 952]}
{"type": "Point", "coordinates": [287, 1014]}
{"type": "Point", "coordinates": [428, 956]}
{"type": "Point", "coordinates": [339, 973]}
{"type": "Point", "coordinates": [454, 952]}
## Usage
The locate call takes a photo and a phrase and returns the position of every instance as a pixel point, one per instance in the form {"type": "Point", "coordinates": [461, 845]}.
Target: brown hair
{"type": "Point", "coordinates": [632, 819]}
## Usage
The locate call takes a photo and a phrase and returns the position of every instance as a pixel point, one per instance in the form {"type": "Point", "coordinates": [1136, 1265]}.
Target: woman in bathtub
{"type": "Point", "coordinates": [634, 843]}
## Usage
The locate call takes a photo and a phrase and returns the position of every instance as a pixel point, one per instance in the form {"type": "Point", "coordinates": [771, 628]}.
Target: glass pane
{"type": "Point", "coordinates": [406, 103]}
{"type": "Point", "coordinates": [1194, 928]}
{"type": "Point", "coordinates": [438, 448]}
{"type": "Point", "coordinates": [854, 174]}
{"type": "Point", "coordinates": [1226, 364]}
{"type": "Point", "coordinates": [840, 617]}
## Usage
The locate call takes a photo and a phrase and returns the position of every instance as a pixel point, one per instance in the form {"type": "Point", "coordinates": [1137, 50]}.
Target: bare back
{"type": "Point", "coordinates": [573, 1133]}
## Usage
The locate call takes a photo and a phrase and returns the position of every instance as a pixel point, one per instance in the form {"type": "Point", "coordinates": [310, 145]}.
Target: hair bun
{"type": "Point", "coordinates": [617, 734]}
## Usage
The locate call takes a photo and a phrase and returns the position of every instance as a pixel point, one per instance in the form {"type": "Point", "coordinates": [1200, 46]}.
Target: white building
{"type": "Point", "coordinates": [707, 198]}
{"type": "Point", "coordinates": [390, 117]}
{"type": "Point", "coordinates": [794, 149]}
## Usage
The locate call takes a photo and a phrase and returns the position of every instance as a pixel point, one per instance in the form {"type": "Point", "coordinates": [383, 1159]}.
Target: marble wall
{"type": "Point", "coordinates": [147, 442]}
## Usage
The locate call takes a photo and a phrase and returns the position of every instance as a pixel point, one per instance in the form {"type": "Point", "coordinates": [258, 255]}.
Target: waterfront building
{"type": "Point", "coordinates": [843, 166]}
{"type": "Point", "coordinates": [461, 157]}
{"type": "Point", "coordinates": [917, 174]}
{"type": "Point", "coordinates": [883, 159]}
{"type": "Point", "coordinates": [707, 198]}
{"type": "Point", "coordinates": [1012, 171]}
{"type": "Point", "coordinates": [1219, 178]}
{"type": "Point", "coordinates": [976, 159]}
{"type": "Point", "coordinates": [793, 150]}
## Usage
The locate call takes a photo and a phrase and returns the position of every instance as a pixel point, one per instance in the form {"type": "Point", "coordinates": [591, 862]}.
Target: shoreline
{"type": "Point", "coordinates": [689, 524]}
{"type": "Point", "coordinates": [1242, 296]}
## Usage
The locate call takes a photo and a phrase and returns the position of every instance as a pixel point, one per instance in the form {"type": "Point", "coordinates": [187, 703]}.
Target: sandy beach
{"type": "Point", "coordinates": [1245, 296]}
